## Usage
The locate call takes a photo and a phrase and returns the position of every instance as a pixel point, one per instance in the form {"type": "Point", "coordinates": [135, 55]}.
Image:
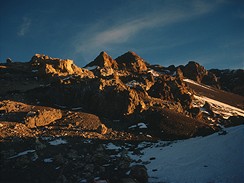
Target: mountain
{"type": "Point", "coordinates": [122, 99]}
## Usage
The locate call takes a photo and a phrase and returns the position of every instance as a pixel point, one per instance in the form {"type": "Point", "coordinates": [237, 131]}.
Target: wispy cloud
{"type": "Point", "coordinates": [24, 27]}
{"type": "Point", "coordinates": [101, 36]}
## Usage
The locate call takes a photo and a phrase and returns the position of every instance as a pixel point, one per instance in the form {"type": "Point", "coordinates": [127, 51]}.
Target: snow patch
{"type": "Point", "coordinates": [195, 83]}
{"type": "Point", "coordinates": [142, 125]}
{"type": "Point", "coordinates": [48, 160]}
{"type": "Point", "coordinates": [22, 153]}
{"type": "Point", "coordinates": [57, 142]}
{"type": "Point", "coordinates": [132, 83]}
{"type": "Point", "coordinates": [111, 146]}
{"type": "Point", "coordinates": [153, 72]}
{"type": "Point", "coordinates": [77, 108]}
{"type": "Point", "coordinates": [139, 125]}
{"type": "Point", "coordinates": [91, 68]}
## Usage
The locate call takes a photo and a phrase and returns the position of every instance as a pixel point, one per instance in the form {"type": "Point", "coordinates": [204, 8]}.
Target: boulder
{"type": "Point", "coordinates": [169, 124]}
{"type": "Point", "coordinates": [42, 117]}
{"type": "Point", "coordinates": [194, 71]}
{"type": "Point", "coordinates": [139, 173]}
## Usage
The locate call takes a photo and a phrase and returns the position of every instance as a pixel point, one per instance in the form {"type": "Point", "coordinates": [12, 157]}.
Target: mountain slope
{"type": "Point", "coordinates": [56, 115]}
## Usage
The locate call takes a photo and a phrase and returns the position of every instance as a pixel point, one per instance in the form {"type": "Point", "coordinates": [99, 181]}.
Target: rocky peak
{"type": "Point", "coordinates": [131, 62]}
{"type": "Point", "coordinates": [103, 60]}
{"type": "Point", "coordinates": [194, 71]}
{"type": "Point", "coordinates": [198, 73]}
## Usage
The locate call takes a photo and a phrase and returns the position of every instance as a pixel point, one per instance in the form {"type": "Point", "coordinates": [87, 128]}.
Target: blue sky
{"type": "Point", "coordinates": [162, 32]}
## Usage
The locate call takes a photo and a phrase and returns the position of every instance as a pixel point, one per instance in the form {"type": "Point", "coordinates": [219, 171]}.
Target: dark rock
{"type": "Point", "coordinates": [234, 121]}
{"type": "Point", "coordinates": [230, 80]}
{"type": "Point", "coordinates": [172, 125]}
{"type": "Point", "coordinates": [128, 180]}
{"type": "Point", "coordinates": [196, 113]}
{"type": "Point", "coordinates": [194, 71]}
{"type": "Point", "coordinates": [9, 61]}
{"type": "Point", "coordinates": [102, 129]}
{"type": "Point", "coordinates": [208, 108]}
{"type": "Point", "coordinates": [139, 173]}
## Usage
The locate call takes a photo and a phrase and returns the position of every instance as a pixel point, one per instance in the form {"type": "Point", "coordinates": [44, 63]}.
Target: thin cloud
{"type": "Point", "coordinates": [102, 35]}
{"type": "Point", "coordinates": [24, 27]}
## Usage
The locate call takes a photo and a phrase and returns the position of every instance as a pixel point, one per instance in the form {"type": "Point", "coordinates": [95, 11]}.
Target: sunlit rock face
{"type": "Point", "coordinates": [46, 65]}
{"type": "Point", "coordinates": [130, 61]}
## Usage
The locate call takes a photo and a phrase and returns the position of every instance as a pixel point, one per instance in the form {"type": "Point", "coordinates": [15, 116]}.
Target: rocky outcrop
{"type": "Point", "coordinates": [198, 73]}
{"type": "Point", "coordinates": [131, 62]}
{"type": "Point", "coordinates": [169, 124]}
{"type": "Point", "coordinates": [42, 117]}
{"type": "Point", "coordinates": [194, 71]}
{"type": "Point", "coordinates": [115, 100]}
{"type": "Point", "coordinates": [168, 88]}
{"type": "Point", "coordinates": [230, 80]}
{"type": "Point", "coordinates": [103, 65]}
{"type": "Point", "coordinates": [103, 60]}
{"type": "Point", "coordinates": [47, 66]}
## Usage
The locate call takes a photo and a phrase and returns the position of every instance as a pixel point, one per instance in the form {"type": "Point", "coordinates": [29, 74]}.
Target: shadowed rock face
{"type": "Point", "coordinates": [230, 80]}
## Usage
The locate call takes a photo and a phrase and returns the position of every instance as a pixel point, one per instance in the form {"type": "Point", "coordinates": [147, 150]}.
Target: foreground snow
{"type": "Point", "coordinates": [215, 158]}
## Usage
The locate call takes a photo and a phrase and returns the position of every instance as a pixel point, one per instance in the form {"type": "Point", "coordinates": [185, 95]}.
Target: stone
{"type": "Point", "coordinates": [139, 173]}
{"type": "Point", "coordinates": [102, 129]}
{"type": "Point", "coordinates": [9, 61]}
{"type": "Point", "coordinates": [42, 117]}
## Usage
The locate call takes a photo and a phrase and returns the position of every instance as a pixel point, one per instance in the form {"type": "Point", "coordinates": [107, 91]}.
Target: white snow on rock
{"type": "Point", "coordinates": [91, 68]}
{"type": "Point", "coordinates": [132, 83]}
{"type": "Point", "coordinates": [111, 146]}
{"type": "Point", "coordinates": [57, 142]}
{"type": "Point", "coordinates": [215, 158]}
{"type": "Point", "coordinates": [48, 160]}
{"type": "Point", "coordinates": [22, 153]}
{"type": "Point", "coordinates": [153, 72]}
{"type": "Point", "coordinates": [142, 125]}
{"type": "Point", "coordinates": [218, 107]}
{"type": "Point", "coordinates": [195, 83]}
{"type": "Point", "coordinates": [139, 125]}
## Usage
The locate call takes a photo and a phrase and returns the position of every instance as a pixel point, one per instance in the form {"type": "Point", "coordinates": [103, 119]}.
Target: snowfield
{"type": "Point", "coordinates": [212, 159]}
